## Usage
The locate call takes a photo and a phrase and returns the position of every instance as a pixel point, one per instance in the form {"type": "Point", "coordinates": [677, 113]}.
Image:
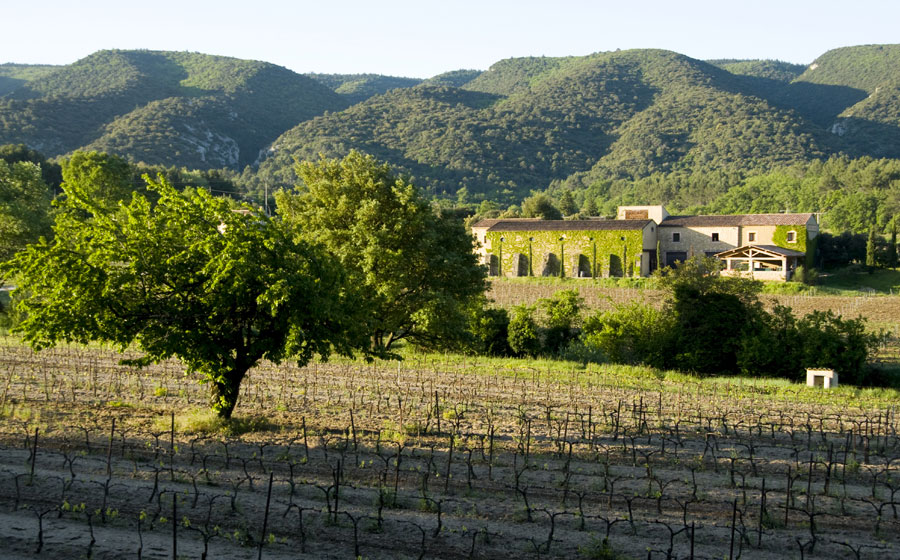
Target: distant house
{"type": "Point", "coordinates": [762, 246]}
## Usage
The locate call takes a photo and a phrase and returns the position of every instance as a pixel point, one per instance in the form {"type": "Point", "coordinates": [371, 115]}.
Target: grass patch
{"type": "Point", "coordinates": [119, 404]}
{"type": "Point", "coordinates": [643, 378]}
{"type": "Point", "coordinates": [205, 421]}
{"type": "Point", "coordinates": [859, 278]}
{"type": "Point", "coordinates": [22, 413]}
{"type": "Point", "coordinates": [788, 288]}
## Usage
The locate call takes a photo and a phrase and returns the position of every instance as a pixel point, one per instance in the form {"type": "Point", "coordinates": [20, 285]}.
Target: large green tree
{"type": "Point", "coordinates": [414, 268]}
{"type": "Point", "coordinates": [712, 315]}
{"type": "Point", "coordinates": [191, 276]}
{"type": "Point", "coordinates": [24, 206]}
{"type": "Point", "coordinates": [104, 179]}
{"type": "Point", "coordinates": [540, 206]}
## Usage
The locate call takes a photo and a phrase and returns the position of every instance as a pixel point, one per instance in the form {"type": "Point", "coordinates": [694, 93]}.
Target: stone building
{"type": "Point", "coordinates": [573, 248]}
{"type": "Point", "coordinates": [762, 246]}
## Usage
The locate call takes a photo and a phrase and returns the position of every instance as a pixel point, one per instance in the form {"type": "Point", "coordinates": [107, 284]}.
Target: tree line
{"type": "Point", "coordinates": [708, 324]}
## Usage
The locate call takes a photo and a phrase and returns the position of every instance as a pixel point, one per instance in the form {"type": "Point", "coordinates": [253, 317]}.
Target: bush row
{"type": "Point", "coordinates": [709, 324]}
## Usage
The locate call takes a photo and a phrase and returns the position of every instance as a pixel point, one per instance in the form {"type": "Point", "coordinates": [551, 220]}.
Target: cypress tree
{"type": "Point", "coordinates": [870, 248]}
{"type": "Point", "coordinates": [567, 204]}
{"type": "Point", "coordinates": [892, 246]}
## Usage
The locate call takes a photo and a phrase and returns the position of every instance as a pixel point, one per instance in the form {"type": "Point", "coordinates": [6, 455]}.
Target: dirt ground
{"type": "Point", "coordinates": [432, 459]}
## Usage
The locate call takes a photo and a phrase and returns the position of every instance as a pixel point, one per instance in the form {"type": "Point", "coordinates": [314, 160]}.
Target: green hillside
{"type": "Point", "coordinates": [607, 126]}
{"type": "Point", "coordinates": [454, 78]}
{"type": "Point", "coordinates": [512, 75]}
{"type": "Point", "coordinates": [539, 120]}
{"type": "Point", "coordinates": [775, 70]}
{"type": "Point", "coordinates": [865, 67]}
{"type": "Point", "coordinates": [14, 76]}
{"type": "Point", "coordinates": [355, 88]}
{"type": "Point", "coordinates": [94, 102]}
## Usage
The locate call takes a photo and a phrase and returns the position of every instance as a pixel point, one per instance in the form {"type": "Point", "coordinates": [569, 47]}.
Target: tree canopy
{"type": "Point", "coordinates": [540, 206]}
{"type": "Point", "coordinates": [24, 206]}
{"type": "Point", "coordinates": [414, 269]}
{"type": "Point", "coordinates": [191, 276]}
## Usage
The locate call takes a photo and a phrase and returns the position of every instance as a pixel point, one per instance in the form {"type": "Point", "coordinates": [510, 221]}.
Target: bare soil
{"type": "Point", "coordinates": [541, 463]}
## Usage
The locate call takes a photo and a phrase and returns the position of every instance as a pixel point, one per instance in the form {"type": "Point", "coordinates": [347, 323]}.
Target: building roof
{"type": "Point", "coordinates": [755, 250]}
{"type": "Point", "coordinates": [737, 220]}
{"type": "Point", "coordinates": [484, 223]}
{"type": "Point", "coordinates": [564, 225]}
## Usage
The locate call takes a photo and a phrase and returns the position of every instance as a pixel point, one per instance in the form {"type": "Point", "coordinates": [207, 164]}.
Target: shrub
{"type": "Point", "coordinates": [712, 324]}
{"type": "Point", "coordinates": [580, 351]}
{"type": "Point", "coordinates": [563, 313]}
{"type": "Point", "coordinates": [774, 346]}
{"type": "Point", "coordinates": [808, 276]}
{"type": "Point", "coordinates": [523, 332]}
{"type": "Point", "coordinates": [830, 341]}
{"type": "Point", "coordinates": [489, 328]}
{"type": "Point", "coordinates": [633, 333]}
{"type": "Point", "coordinates": [709, 331]}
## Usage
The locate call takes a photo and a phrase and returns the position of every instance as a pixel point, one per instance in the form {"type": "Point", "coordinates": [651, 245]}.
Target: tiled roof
{"type": "Point", "coordinates": [492, 221]}
{"type": "Point", "coordinates": [566, 225]}
{"type": "Point", "coordinates": [737, 220]}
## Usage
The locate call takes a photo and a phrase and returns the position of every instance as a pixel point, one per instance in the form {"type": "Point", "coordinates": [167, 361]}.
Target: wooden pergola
{"type": "Point", "coordinates": [764, 262]}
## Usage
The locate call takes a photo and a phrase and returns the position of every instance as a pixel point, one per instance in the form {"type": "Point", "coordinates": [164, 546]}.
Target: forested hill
{"type": "Point", "coordinates": [524, 124]}
{"type": "Point", "coordinates": [359, 87]}
{"type": "Point", "coordinates": [171, 108]}
{"type": "Point", "coordinates": [527, 122]}
{"type": "Point", "coordinates": [13, 76]}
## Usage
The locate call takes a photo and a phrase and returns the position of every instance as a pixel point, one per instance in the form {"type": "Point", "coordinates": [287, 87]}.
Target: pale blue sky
{"type": "Point", "coordinates": [423, 38]}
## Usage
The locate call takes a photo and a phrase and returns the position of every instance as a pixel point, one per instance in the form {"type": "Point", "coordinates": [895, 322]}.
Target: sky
{"type": "Point", "coordinates": [424, 38]}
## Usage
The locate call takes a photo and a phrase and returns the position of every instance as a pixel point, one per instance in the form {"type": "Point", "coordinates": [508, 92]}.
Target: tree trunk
{"type": "Point", "coordinates": [224, 393]}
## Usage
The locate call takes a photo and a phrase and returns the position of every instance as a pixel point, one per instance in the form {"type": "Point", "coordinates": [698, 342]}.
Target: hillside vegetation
{"type": "Point", "coordinates": [539, 120]}
{"type": "Point", "coordinates": [162, 107]}
{"type": "Point", "coordinates": [13, 76]}
{"type": "Point", "coordinates": [355, 88]}
{"type": "Point", "coordinates": [650, 124]}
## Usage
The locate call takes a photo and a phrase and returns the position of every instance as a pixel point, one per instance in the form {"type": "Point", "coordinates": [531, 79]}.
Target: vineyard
{"type": "Point", "coordinates": [439, 456]}
{"type": "Point", "coordinates": [879, 310]}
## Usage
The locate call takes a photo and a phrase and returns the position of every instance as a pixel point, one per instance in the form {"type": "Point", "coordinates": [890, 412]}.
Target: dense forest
{"type": "Point", "coordinates": [637, 126]}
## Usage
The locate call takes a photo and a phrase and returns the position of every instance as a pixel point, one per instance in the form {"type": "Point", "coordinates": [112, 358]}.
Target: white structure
{"type": "Point", "coordinates": [656, 213]}
{"type": "Point", "coordinates": [825, 378]}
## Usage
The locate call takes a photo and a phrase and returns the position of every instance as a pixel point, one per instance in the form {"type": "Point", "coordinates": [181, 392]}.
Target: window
{"type": "Point", "coordinates": [676, 237]}
{"type": "Point", "coordinates": [792, 237]}
{"type": "Point", "coordinates": [751, 237]}
{"type": "Point", "coordinates": [675, 257]}
{"type": "Point", "coordinates": [715, 237]}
